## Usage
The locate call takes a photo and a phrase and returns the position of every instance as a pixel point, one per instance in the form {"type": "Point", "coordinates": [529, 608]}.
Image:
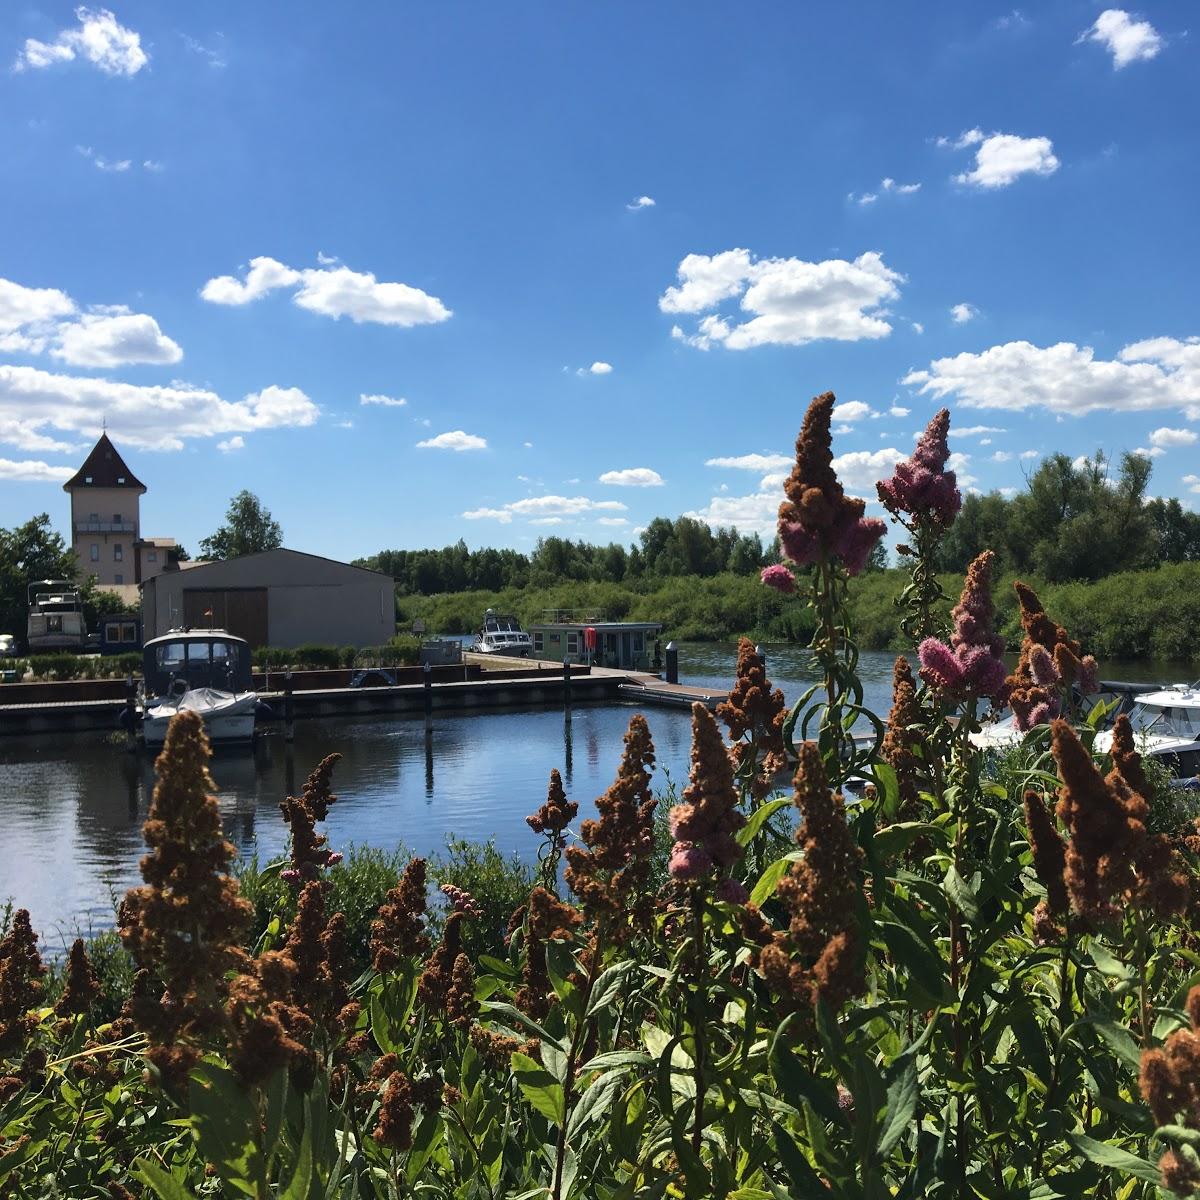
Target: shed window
{"type": "Point", "coordinates": [539, 641]}
{"type": "Point", "coordinates": [152, 556]}
{"type": "Point", "coordinates": [572, 643]}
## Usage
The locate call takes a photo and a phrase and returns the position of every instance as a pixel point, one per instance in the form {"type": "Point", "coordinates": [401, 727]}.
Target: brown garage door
{"type": "Point", "coordinates": [243, 611]}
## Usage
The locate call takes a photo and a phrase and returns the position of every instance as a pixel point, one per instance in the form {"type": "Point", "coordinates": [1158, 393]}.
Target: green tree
{"type": "Point", "coordinates": [29, 552]}
{"type": "Point", "coordinates": [248, 529]}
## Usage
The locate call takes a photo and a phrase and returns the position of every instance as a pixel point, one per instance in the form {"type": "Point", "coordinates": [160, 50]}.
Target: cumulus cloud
{"type": "Point", "coordinates": [752, 462]}
{"type": "Point", "coordinates": [1167, 439]}
{"type": "Point", "coordinates": [1066, 378]}
{"type": "Point", "coordinates": [383, 401]}
{"type": "Point", "coordinates": [538, 508]}
{"type": "Point", "coordinates": [898, 410]}
{"type": "Point", "coordinates": [455, 439]}
{"type": "Point", "coordinates": [104, 164]}
{"type": "Point", "coordinates": [100, 39]}
{"type": "Point", "coordinates": [332, 291]}
{"type": "Point", "coordinates": [113, 339]}
{"type": "Point", "coordinates": [1124, 38]}
{"type": "Point", "coordinates": [597, 368]}
{"type": "Point", "coordinates": [1002, 158]}
{"type": "Point", "coordinates": [237, 442]}
{"type": "Point", "coordinates": [641, 202]}
{"type": "Point", "coordinates": [633, 477]}
{"type": "Point", "coordinates": [613, 521]}
{"type": "Point", "coordinates": [1002, 456]}
{"type": "Point", "coordinates": [960, 314]}
{"type": "Point", "coordinates": [156, 418]}
{"type": "Point", "coordinates": [31, 471]}
{"type": "Point", "coordinates": [1030, 454]}
{"type": "Point", "coordinates": [850, 411]}
{"type": "Point", "coordinates": [22, 307]}
{"type": "Point", "coordinates": [1193, 482]}
{"type": "Point", "coordinates": [790, 301]}
{"type": "Point", "coordinates": [886, 187]}
{"type": "Point", "coordinates": [1150, 451]}
{"type": "Point", "coordinates": [975, 430]}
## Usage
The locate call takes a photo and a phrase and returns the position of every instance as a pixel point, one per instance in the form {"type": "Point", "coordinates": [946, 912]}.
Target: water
{"type": "Point", "coordinates": [73, 806]}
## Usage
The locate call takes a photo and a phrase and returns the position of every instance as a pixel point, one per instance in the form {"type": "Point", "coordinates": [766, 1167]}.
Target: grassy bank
{"type": "Point", "coordinates": [1138, 614]}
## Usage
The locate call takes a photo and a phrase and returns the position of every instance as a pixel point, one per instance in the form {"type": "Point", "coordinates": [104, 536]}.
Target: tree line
{"type": "Point", "coordinates": [1076, 520]}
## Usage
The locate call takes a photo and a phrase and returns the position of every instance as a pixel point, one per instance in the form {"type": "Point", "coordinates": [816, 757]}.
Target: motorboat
{"type": "Point", "coordinates": [1002, 733]}
{"type": "Point", "coordinates": [56, 620]}
{"type": "Point", "coordinates": [205, 671]}
{"type": "Point", "coordinates": [1166, 726]}
{"type": "Point", "coordinates": [502, 635]}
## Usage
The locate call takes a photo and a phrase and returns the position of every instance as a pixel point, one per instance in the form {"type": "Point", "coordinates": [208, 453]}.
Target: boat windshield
{"type": "Point", "coordinates": [212, 663]}
{"type": "Point", "coordinates": [1164, 721]}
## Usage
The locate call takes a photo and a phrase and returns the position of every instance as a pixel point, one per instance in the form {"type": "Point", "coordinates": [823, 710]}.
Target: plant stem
{"type": "Point", "coordinates": [698, 1029]}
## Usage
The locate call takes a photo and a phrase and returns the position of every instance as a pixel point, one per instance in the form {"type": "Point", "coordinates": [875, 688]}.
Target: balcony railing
{"type": "Point", "coordinates": [105, 527]}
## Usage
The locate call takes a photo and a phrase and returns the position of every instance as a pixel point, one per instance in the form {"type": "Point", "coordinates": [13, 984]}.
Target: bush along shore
{"type": "Point", "coordinates": [1134, 615]}
{"type": "Point", "coordinates": [977, 980]}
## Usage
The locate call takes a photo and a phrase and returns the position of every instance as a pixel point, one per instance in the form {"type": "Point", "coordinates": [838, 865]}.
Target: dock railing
{"type": "Point", "coordinates": [572, 616]}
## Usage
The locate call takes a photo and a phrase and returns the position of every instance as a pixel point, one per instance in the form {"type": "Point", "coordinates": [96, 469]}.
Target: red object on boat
{"type": "Point", "coordinates": [589, 638]}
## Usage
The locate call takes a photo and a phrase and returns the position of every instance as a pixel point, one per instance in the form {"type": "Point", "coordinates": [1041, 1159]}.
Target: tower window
{"type": "Point", "coordinates": [118, 578]}
{"type": "Point", "coordinates": [118, 552]}
{"type": "Point", "coordinates": [95, 552]}
{"type": "Point", "coordinates": [87, 479]}
{"type": "Point", "coordinates": [120, 478]}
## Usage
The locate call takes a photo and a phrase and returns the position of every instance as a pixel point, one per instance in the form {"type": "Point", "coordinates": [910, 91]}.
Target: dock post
{"type": "Point", "coordinates": [427, 674]}
{"type": "Point", "coordinates": [567, 685]}
{"type": "Point", "coordinates": [130, 716]}
{"type": "Point", "coordinates": [672, 663]}
{"type": "Point", "coordinates": [762, 658]}
{"type": "Point", "coordinates": [289, 709]}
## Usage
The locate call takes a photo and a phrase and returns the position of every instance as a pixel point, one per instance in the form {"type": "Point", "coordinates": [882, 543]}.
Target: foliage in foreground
{"type": "Point", "coordinates": [966, 984]}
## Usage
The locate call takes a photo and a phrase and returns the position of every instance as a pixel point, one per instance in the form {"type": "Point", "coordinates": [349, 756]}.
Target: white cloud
{"type": "Point", "coordinates": [1150, 451]}
{"type": "Point", "coordinates": [113, 339]}
{"type": "Point", "coordinates": [24, 436]}
{"type": "Point", "coordinates": [157, 418]}
{"type": "Point", "coordinates": [1002, 158]}
{"type": "Point", "coordinates": [1193, 481]}
{"type": "Point", "coordinates": [850, 411]}
{"type": "Point", "coordinates": [960, 314]}
{"type": "Point", "coordinates": [752, 462]}
{"type": "Point", "coordinates": [1066, 378]}
{"type": "Point", "coordinates": [1002, 456]}
{"type": "Point", "coordinates": [1125, 39]}
{"type": "Point", "coordinates": [332, 292]}
{"type": "Point", "coordinates": [865, 199]}
{"type": "Point", "coordinates": [613, 521]}
{"type": "Point", "coordinates": [859, 470]}
{"type": "Point", "coordinates": [527, 445]}
{"type": "Point", "coordinates": [1167, 439]}
{"type": "Point", "coordinates": [597, 368]}
{"type": "Point", "coordinates": [21, 307]}
{"type": "Point", "coordinates": [641, 202]}
{"type": "Point", "coordinates": [237, 442]}
{"type": "Point", "coordinates": [985, 441]}
{"type": "Point", "coordinates": [100, 39]}
{"type": "Point", "coordinates": [154, 167]}
{"type": "Point", "coordinates": [1007, 492]}
{"type": "Point", "coordinates": [30, 471]}
{"type": "Point", "coordinates": [900, 189]}
{"type": "Point", "coordinates": [970, 137]}
{"type": "Point", "coordinates": [792, 301]}
{"type": "Point", "coordinates": [633, 477]}
{"type": "Point", "coordinates": [897, 411]}
{"type": "Point", "coordinates": [455, 439]}
{"type": "Point", "coordinates": [1080, 462]}
{"type": "Point", "coordinates": [214, 55]}
{"type": "Point", "coordinates": [327, 260]}
{"type": "Point", "coordinates": [917, 327]}
{"type": "Point", "coordinates": [975, 430]}
{"type": "Point", "coordinates": [104, 164]}
{"type": "Point", "coordinates": [547, 521]}
{"type": "Point", "coordinates": [1030, 454]}
{"type": "Point", "coordinates": [538, 508]}
{"type": "Point", "coordinates": [384, 401]}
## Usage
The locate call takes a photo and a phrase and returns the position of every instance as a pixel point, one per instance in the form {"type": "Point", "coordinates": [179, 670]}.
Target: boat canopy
{"type": "Point", "coordinates": [211, 658]}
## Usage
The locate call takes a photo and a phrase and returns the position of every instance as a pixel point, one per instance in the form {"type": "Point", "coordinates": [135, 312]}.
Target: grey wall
{"type": "Point", "coordinates": [309, 599]}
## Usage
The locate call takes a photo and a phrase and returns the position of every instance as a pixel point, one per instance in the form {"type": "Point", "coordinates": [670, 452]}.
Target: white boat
{"type": "Point", "coordinates": [205, 671]}
{"type": "Point", "coordinates": [56, 620]}
{"type": "Point", "coordinates": [1166, 726]}
{"type": "Point", "coordinates": [1003, 733]}
{"type": "Point", "coordinates": [502, 635]}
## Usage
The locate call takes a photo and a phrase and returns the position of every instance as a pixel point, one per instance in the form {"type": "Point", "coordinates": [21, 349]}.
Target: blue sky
{"type": "Point", "coordinates": [227, 224]}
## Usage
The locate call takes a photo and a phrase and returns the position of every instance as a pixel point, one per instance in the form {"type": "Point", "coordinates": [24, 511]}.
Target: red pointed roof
{"type": "Point", "coordinates": [104, 468]}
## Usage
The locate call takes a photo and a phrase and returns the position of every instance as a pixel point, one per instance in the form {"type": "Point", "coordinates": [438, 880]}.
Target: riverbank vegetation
{"type": "Point", "coordinates": [969, 982]}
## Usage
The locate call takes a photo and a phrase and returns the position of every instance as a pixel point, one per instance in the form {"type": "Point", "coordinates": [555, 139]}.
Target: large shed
{"type": "Point", "coordinates": [276, 598]}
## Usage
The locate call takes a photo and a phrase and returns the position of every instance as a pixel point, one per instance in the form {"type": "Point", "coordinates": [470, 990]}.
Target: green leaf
{"type": "Point", "coordinates": [301, 1179]}
{"type": "Point", "coordinates": [888, 787]}
{"type": "Point", "coordinates": [224, 1123]}
{"type": "Point", "coordinates": [902, 1094]}
{"type": "Point", "coordinates": [759, 818]}
{"type": "Point", "coordinates": [616, 1058]}
{"type": "Point", "coordinates": [540, 1088]}
{"type": "Point", "coordinates": [797, 1085]}
{"type": "Point", "coordinates": [893, 839]}
{"type": "Point", "coordinates": [165, 1186]}
{"type": "Point", "coordinates": [921, 960]}
{"type": "Point", "coordinates": [515, 1015]}
{"type": "Point", "coordinates": [764, 889]}
{"type": "Point", "coordinates": [1118, 1039]}
{"type": "Point", "coordinates": [1105, 1154]}
{"type": "Point", "coordinates": [797, 1166]}
{"type": "Point", "coordinates": [381, 1026]}
{"type": "Point", "coordinates": [609, 986]}
{"type": "Point", "coordinates": [499, 968]}
{"type": "Point", "coordinates": [594, 1103]}
{"type": "Point", "coordinates": [962, 895]}
{"type": "Point", "coordinates": [560, 963]}
{"type": "Point", "coordinates": [1108, 964]}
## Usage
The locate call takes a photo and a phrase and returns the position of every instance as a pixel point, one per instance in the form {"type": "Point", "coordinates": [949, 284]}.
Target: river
{"type": "Point", "coordinates": [73, 806]}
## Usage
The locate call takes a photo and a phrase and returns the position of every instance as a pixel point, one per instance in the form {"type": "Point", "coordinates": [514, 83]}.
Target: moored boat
{"type": "Point", "coordinates": [56, 620]}
{"type": "Point", "coordinates": [1166, 726]}
{"type": "Point", "coordinates": [502, 635]}
{"type": "Point", "coordinates": [205, 671]}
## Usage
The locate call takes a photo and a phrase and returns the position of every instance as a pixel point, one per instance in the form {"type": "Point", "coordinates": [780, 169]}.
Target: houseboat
{"type": "Point", "coordinates": [587, 637]}
{"type": "Point", "coordinates": [205, 671]}
{"type": "Point", "coordinates": [1166, 726]}
{"type": "Point", "coordinates": [56, 620]}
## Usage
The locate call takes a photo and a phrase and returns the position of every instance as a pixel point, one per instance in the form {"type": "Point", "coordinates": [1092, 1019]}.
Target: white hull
{"type": "Point", "coordinates": [227, 717]}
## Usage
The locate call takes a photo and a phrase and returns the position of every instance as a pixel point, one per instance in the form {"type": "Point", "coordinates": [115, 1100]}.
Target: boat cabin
{"type": "Point", "coordinates": [209, 658]}
{"type": "Point", "coordinates": [56, 620]}
{"type": "Point", "coordinates": [586, 637]}
{"type": "Point", "coordinates": [120, 633]}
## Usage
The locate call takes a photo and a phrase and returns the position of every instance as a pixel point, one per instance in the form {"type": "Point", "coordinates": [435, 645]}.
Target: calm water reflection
{"type": "Point", "coordinates": [73, 806]}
